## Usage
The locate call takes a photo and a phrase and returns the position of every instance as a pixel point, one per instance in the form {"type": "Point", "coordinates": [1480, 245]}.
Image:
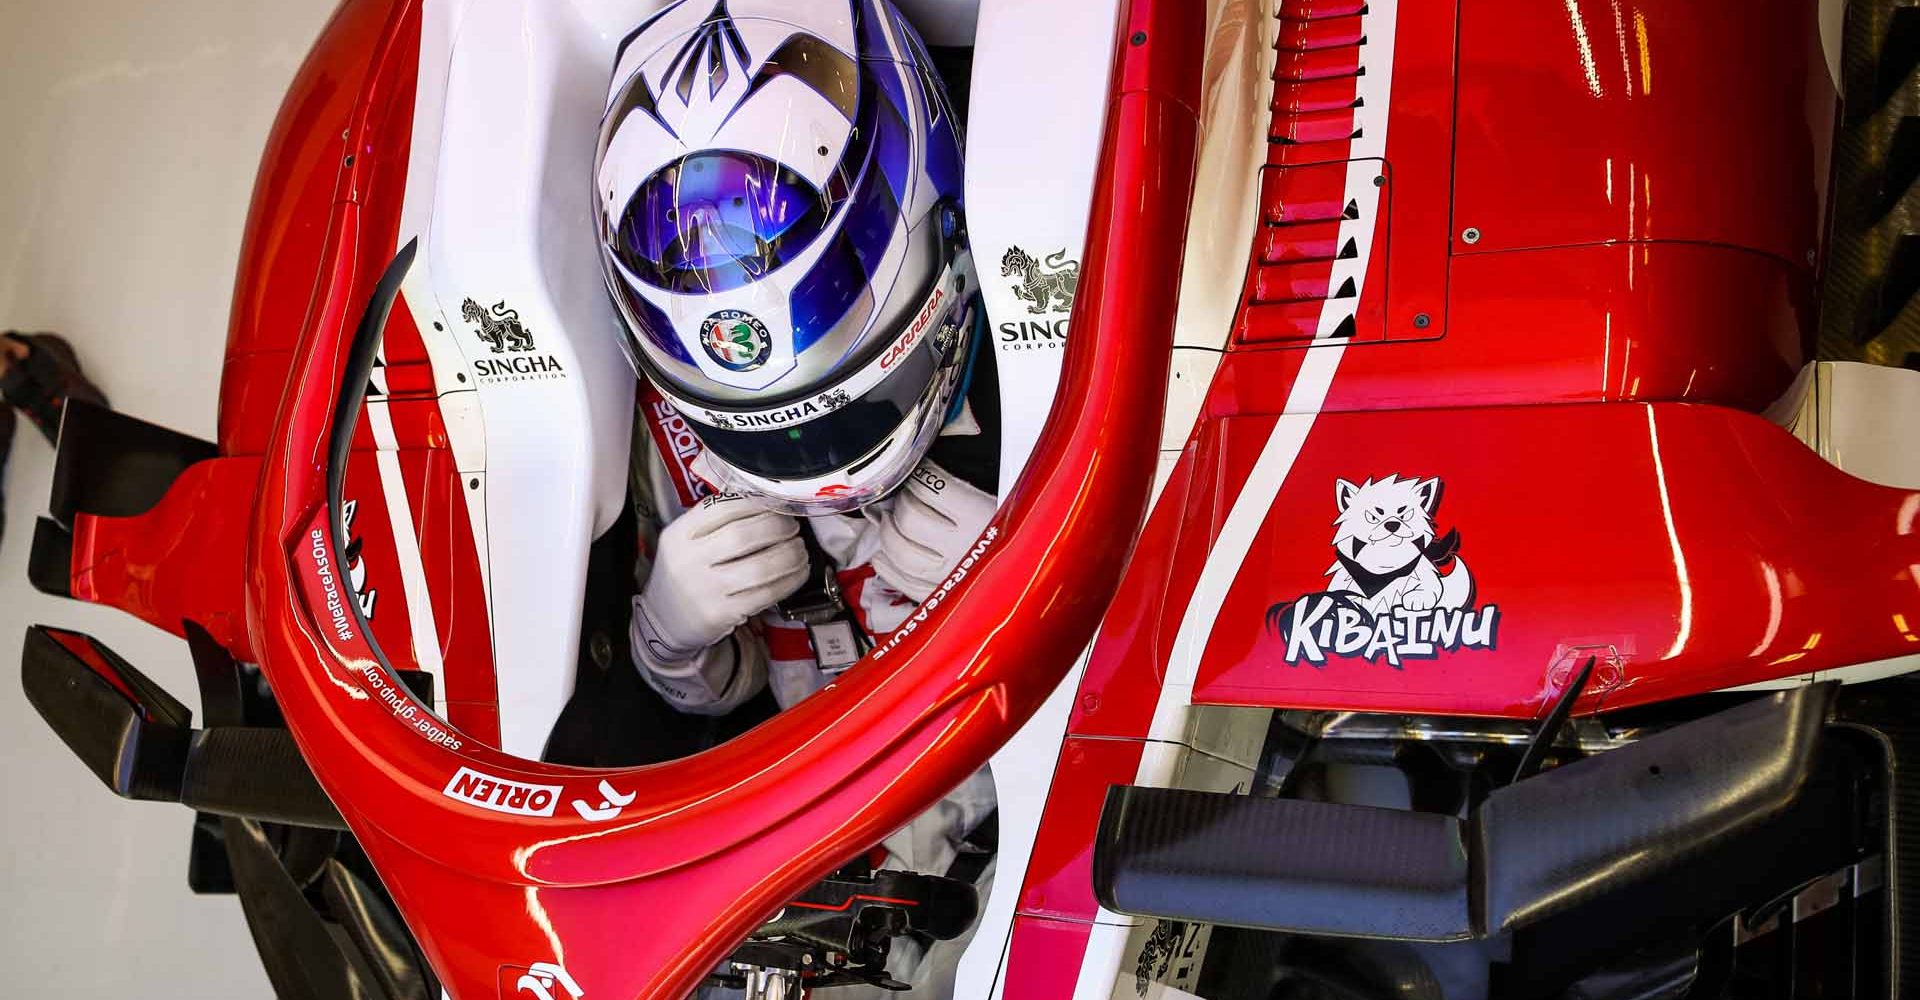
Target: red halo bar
{"type": "Point", "coordinates": [645, 902]}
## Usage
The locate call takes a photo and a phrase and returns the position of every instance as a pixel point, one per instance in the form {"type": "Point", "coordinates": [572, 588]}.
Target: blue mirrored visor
{"type": "Point", "coordinates": [716, 220]}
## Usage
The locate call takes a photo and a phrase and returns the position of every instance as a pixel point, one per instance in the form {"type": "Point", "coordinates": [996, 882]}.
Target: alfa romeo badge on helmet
{"type": "Point", "coordinates": [778, 195]}
{"type": "Point", "coordinates": [736, 340]}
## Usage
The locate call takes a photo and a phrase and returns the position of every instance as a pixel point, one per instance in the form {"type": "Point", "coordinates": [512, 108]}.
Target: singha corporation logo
{"type": "Point", "coordinates": [735, 340]}
{"type": "Point", "coordinates": [1047, 287]}
{"type": "Point", "coordinates": [1394, 591]}
{"type": "Point", "coordinates": [499, 327]}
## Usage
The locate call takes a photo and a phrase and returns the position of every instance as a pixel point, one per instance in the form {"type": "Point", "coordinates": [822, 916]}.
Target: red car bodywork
{"type": "Point", "coordinates": [712, 845]}
{"type": "Point", "coordinates": [1594, 258]}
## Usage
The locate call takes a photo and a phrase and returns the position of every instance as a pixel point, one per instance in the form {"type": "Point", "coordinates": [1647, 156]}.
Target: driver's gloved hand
{"type": "Point", "coordinates": [719, 564]}
{"type": "Point", "coordinates": [932, 523]}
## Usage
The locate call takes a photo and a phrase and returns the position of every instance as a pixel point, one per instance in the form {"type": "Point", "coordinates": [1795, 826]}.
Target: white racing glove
{"type": "Point", "coordinates": [719, 564]}
{"type": "Point", "coordinates": [933, 522]}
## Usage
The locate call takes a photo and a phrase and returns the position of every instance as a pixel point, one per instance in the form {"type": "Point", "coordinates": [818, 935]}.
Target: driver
{"type": "Point", "coordinates": [778, 195]}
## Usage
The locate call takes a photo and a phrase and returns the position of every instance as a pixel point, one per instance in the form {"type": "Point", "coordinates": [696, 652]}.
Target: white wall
{"type": "Point", "coordinates": [129, 134]}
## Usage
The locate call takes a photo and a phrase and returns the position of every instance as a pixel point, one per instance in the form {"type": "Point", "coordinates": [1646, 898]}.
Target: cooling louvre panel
{"type": "Point", "coordinates": [1298, 65]}
{"type": "Point", "coordinates": [1314, 10]}
{"type": "Point", "coordinates": [1292, 97]}
{"type": "Point", "coordinates": [1323, 33]}
{"type": "Point", "coordinates": [1296, 282]}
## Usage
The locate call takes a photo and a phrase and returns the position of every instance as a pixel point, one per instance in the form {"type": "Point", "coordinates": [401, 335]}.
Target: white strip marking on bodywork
{"type": "Point", "coordinates": [1229, 552]}
{"type": "Point", "coordinates": [1304, 400]}
{"type": "Point", "coordinates": [1023, 771]}
{"type": "Point", "coordinates": [459, 410]}
{"type": "Point", "coordinates": [1269, 473]}
{"type": "Point", "coordinates": [1039, 106]}
{"type": "Point", "coordinates": [1106, 945]}
{"type": "Point", "coordinates": [1858, 673]}
{"type": "Point", "coordinates": [515, 149]}
{"type": "Point", "coordinates": [406, 546]}
{"type": "Point", "coordinates": [1235, 102]}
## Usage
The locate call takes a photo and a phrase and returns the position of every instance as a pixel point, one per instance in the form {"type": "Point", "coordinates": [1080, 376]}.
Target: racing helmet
{"type": "Point", "coordinates": [778, 199]}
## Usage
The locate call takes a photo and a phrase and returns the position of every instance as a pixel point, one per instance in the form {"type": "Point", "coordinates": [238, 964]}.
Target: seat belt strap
{"type": "Point", "coordinates": [835, 634]}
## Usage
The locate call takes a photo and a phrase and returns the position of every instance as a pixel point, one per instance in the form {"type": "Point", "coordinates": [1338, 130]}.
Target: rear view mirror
{"type": "Point", "coordinates": [130, 733]}
{"type": "Point", "coordinates": [139, 741]}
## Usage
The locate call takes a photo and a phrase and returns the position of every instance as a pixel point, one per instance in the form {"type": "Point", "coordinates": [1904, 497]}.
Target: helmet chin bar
{"type": "Point", "coordinates": [882, 472]}
{"type": "Point", "coordinates": [508, 868]}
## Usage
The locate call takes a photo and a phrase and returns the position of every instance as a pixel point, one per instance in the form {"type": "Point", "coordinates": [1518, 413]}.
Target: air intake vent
{"type": "Point", "coordinates": [1297, 284]}
{"type": "Point", "coordinates": [1297, 273]}
{"type": "Point", "coordinates": [1319, 54]}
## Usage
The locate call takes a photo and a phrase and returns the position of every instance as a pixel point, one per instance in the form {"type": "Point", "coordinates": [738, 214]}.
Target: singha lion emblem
{"type": "Point", "coordinates": [1047, 287]}
{"type": "Point", "coordinates": [500, 327]}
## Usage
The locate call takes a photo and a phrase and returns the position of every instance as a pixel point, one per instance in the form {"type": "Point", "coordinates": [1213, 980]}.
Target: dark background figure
{"type": "Point", "coordinates": [38, 374]}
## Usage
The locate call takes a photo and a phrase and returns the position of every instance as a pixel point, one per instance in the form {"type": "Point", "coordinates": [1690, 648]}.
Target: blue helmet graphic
{"type": "Point", "coordinates": [778, 190]}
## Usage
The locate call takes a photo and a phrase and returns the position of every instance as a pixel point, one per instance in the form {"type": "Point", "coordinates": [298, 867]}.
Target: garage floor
{"type": "Point", "coordinates": [132, 131]}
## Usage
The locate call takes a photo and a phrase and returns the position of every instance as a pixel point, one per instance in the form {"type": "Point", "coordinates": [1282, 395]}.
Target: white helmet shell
{"type": "Point", "coordinates": [778, 194]}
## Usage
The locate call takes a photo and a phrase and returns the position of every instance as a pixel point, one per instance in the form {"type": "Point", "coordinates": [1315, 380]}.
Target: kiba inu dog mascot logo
{"type": "Point", "coordinates": [1395, 591]}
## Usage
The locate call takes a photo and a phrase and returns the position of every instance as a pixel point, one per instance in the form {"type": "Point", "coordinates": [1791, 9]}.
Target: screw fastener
{"type": "Point", "coordinates": [1470, 235]}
